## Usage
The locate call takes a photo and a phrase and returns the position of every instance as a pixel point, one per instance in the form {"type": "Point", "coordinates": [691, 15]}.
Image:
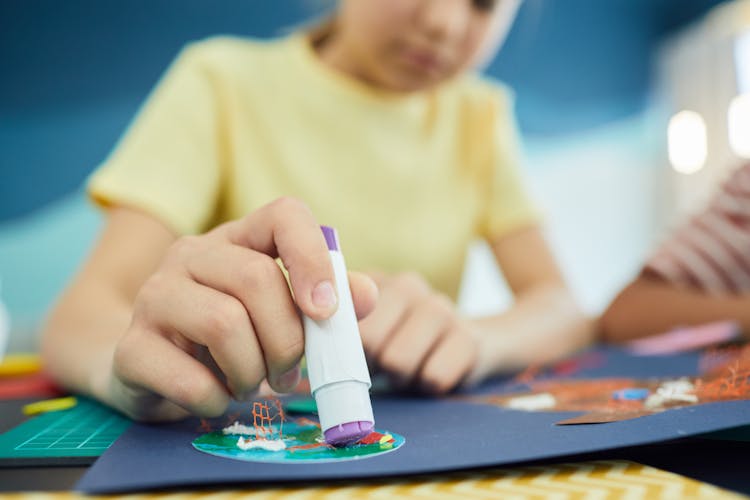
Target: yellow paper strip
{"type": "Point", "coordinates": [50, 405]}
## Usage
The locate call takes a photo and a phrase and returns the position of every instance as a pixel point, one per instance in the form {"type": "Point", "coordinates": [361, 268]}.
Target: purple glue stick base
{"type": "Point", "coordinates": [348, 433]}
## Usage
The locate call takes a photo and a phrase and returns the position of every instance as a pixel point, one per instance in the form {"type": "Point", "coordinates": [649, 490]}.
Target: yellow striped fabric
{"type": "Point", "coordinates": [602, 479]}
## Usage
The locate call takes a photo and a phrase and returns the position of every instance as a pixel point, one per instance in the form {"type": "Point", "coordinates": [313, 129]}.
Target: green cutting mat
{"type": "Point", "coordinates": [84, 432]}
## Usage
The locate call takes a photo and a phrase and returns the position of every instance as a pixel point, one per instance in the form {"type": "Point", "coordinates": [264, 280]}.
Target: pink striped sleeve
{"type": "Point", "coordinates": [712, 252]}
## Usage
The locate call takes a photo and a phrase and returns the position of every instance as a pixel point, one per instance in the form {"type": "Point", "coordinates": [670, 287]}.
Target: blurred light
{"type": "Point", "coordinates": [742, 60]}
{"type": "Point", "coordinates": [739, 125]}
{"type": "Point", "coordinates": [687, 142]}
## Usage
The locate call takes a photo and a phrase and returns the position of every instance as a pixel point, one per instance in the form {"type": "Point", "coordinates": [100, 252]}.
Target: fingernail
{"type": "Point", "coordinates": [289, 380]}
{"type": "Point", "coordinates": [323, 295]}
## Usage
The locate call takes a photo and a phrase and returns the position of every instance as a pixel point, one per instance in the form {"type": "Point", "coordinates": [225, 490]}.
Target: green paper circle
{"type": "Point", "coordinates": [221, 445]}
{"type": "Point", "coordinates": [301, 406]}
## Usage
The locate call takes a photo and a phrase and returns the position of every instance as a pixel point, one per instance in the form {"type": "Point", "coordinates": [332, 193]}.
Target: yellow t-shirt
{"type": "Point", "coordinates": [408, 180]}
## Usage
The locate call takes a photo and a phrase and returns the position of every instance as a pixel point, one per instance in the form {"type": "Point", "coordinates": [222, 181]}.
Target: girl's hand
{"type": "Point", "coordinates": [218, 317]}
{"type": "Point", "coordinates": [416, 336]}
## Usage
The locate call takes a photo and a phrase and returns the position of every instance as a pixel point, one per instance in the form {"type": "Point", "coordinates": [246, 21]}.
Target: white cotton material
{"type": "Point", "coordinates": [672, 392]}
{"type": "Point", "coordinates": [239, 429]}
{"type": "Point", "coordinates": [534, 402]}
{"type": "Point", "coordinates": [263, 444]}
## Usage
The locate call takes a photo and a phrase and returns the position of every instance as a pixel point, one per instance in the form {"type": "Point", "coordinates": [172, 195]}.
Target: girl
{"type": "Point", "coordinates": [373, 124]}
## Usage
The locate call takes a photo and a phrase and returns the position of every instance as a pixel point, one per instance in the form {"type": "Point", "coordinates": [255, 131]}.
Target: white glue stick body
{"type": "Point", "coordinates": [336, 365]}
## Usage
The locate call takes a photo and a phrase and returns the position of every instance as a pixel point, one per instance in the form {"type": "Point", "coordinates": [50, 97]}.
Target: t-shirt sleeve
{"type": "Point", "coordinates": [508, 206]}
{"type": "Point", "coordinates": [168, 162]}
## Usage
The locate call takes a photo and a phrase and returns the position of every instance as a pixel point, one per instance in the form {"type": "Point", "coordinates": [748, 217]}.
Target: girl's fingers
{"type": "Point", "coordinates": [147, 359]}
{"type": "Point", "coordinates": [364, 293]}
{"type": "Point", "coordinates": [421, 330]}
{"type": "Point", "coordinates": [142, 404]}
{"type": "Point", "coordinates": [218, 321]}
{"type": "Point", "coordinates": [287, 228]}
{"type": "Point", "coordinates": [383, 321]}
{"type": "Point", "coordinates": [397, 296]}
{"type": "Point", "coordinates": [448, 364]}
{"type": "Point", "coordinates": [257, 285]}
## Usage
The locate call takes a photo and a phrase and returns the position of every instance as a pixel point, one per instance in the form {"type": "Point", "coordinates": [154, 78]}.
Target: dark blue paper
{"type": "Point", "coordinates": [441, 435]}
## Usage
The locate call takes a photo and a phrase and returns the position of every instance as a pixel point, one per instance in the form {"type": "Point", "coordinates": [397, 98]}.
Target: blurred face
{"type": "Point", "coordinates": [410, 45]}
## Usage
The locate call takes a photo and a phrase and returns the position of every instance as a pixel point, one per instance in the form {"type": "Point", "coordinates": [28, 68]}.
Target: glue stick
{"type": "Point", "coordinates": [336, 365]}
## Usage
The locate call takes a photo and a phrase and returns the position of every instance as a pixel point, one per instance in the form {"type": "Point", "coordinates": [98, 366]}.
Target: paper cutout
{"type": "Point", "coordinates": [727, 378]}
{"type": "Point", "coordinates": [304, 406]}
{"type": "Point", "coordinates": [565, 368]}
{"type": "Point", "coordinates": [276, 439]}
{"type": "Point", "coordinates": [686, 339]}
{"type": "Point", "coordinates": [301, 443]}
{"type": "Point", "coordinates": [38, 385]}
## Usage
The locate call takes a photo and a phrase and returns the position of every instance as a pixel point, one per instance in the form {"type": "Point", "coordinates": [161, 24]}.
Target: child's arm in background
{"type": "Point", "coordinates": [417, 336]}
{"type": "Point", "coordinates": [649, 305]}
{"type": "Point", "coordinates": [545, 322]}
{"type": "Point", "coordinates": [699, 274]}
{"type": "Point", "coordinates": [152, 319]}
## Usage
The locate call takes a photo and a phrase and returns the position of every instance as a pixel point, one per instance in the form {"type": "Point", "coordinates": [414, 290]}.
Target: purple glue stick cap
{"type": "Point", "coordinates": [348, 433]}
{"type": "Point", "coordinates": [332, 238]}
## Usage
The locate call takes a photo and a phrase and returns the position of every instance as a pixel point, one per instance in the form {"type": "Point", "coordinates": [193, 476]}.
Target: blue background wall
{"type": "Point", "coordinates": [74, 72]}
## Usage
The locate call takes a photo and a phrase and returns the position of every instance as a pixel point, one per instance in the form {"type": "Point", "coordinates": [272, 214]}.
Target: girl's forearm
{"type": "Point", "coordinates": [80, 336]}
{"type": "Point", "coordinates": [545, 324]}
